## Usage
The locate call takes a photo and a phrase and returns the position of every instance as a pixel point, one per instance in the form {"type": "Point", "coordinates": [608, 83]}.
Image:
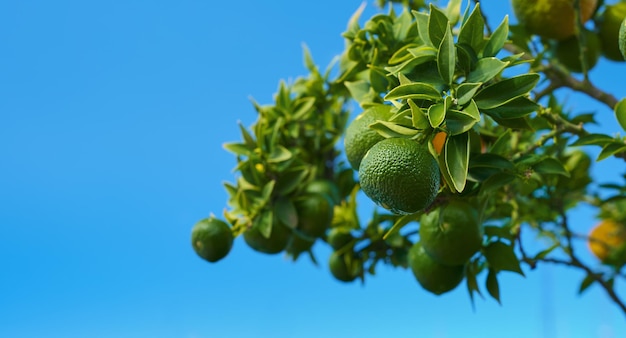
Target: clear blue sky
{"type": "Point", "coordinates": [112, 119]}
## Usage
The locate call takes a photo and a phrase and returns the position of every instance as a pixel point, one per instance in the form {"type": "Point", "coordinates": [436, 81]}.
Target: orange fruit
{"type": "Point", "coordinates": [606, 241]}
{"type": "Point", "coordinates": [439, 141]}
{"type": "Point", "coordinates": [552, 19]}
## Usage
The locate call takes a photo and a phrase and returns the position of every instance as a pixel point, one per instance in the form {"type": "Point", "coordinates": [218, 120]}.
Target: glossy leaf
{"type": "Point", "coordinates": [497, 39]}
{"type": "Point", "coordinates": [472, 31]}
{"type": "Point", "coordinates": [551, 165]}
{"type": "Point", "coordinates": [286, 212]}
{"type": "Point", "coordinates": [446, 57]}
{"type": "Point", "coordinates": [438, 24]}
{"type": "Point", "coordinates": [419, 118]}
{"type": "Point", "coordinates": [436, 114]}
{"type": "Point", "coordinates": [593, 139]}
{"type": "Point", "coordinates": [506, 90]}
{"type": "Point", "coordinates": [611, 149]}
{"type": "Point", "coordinates": [516, 108]}
{"type": "Point", "coordinates": [416, 91]}
{"type": "Point", "coordinates": [390, 129]}
{"type": "Point", "coordinates": [466, 91]}
{"type": "Point", "coordinates": [486, 69]}
{"type": "Point", "coordinates": [501, 257]}
{"type": "Point", "coordinates": [456, 154]}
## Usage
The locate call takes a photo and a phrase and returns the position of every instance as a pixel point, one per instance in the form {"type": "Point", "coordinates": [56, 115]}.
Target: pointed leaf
{"type": "Point", "coordinates": [446, 57]}
{"type": "Point", "coordinates": [486, 69]}
{"type": "Point", "coordinates": [472, 31]}
{"type": "Point", "coordinates": [518, 107]}
{"type": "Point", "coordinates": [415, 90]}
{"type": "Point", "coordinates": [502, 257]}
{"type": "Point", "coordinates": [593, 139]}
{"type": "Point", "coordinates": [611, 149]}
{"type": "Point", "coordinates": [466, 91]}
{"type": "Point", "coordinates": [456, 154]}
{"type": "Point", "coordinates": [506, 90]}
{"type": "Point", "coordinates": [436, 114]}
{"type": "Point", "coordinates": [422, 26]}
{"type": "Point", "coordinates": [492, 285]}
{"type": "Point", "coordinates": [551, 165]}
{"type": "Point", "coordinates": [437, 25]}
{"type": "Point", "coordinates": [390, 129]}
{"type": "Point", "coordinates": [419, 118]}
{"type": "Point", "coordinates": [497, 39]}
{"type": "Point", "coordinates": [286, 212]}
{"type": "Point", "coordinates": [586, 283]}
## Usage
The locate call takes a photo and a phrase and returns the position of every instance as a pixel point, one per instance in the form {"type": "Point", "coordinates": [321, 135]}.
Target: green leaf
{"type": "Point", "coordinates": [466, 91]}
{"type": "Point", "coordinates": [620, 113]}
{"type": "Point", "coordinates": [419, 118]}
{"type": "Point", "coordinates": [472, 31]}
{"type": "Point", "coordinates": [238, 149]}
{"type": "Point", "coordinates": [416, 91]}
{"type": "Point", "coordinates": [543, 253]}
{"type": "Point", "coordinates": [436, 114]}
{"type": "Point", "coordinates": [420, 56]}
{"type": "Point", "coordinates": [458, 122]}
{"type": "Point", "coordinates": [456, 154]}
{"type": "Point", "coordinates": [286, 212]}
{"type": "Point", "coordinates": [493, 231]}
{"type": "Point", "coordinates": [516, 108]}
{"type": "Point", "coordinates": [467, 58]}
{"type": "Point", "coordinates": [506, 90]}
{"type": "Point", "coordinates": [502, 144]}
{"type": "Point", "coordinates": [611, 149]}
{"type": "Point", "coordinates": [437, 25]}
{"type": "Point", "coordinates": [497, 39]}
{"type": "Point", "coordinates": [514, 123]}
{"type": "Point", "coordinates": [390, 129]}
{"type": "Point", "coordinates": [289, 180]}
{"type": "Point", "coordinates": [422, 26]}
{"type": "Point", "coordinates": [248, 139]}
{"type": "Point", "coordinates": [446, 57]}
{"type": "Point", "coordinates": [551, 165]}
{"type": "Point", "coordinates": [490, 160]}
{"type": "Point", "coordinates": [486, 69]}
{"type": "Point", "coordinates": [501, 257]}
{"type": "Point", "coordinates": [495, 182]}
{"type": "Point", "coordinates": [492, 285]}
{"type": "Point", "coordinates": [359, 90]}
{"type": "Point", "coordinates": [586, 283]}
{"type": "Point", "coordinates": [264, 222]}
{"type": "Point", "coordinates": [279, 154]}
{"type": "Point", "coordinates": [593, 139]}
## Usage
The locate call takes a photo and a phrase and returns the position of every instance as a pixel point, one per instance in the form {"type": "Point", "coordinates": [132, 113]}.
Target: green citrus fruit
{"type": "Point", "coordinates": [344, 267]}
{"type": "Point", "coordinates": [275, 243]}
{"type": "Point", "coordinates": [432, 275]}
{"type": "Point", "coordinates": [451, 234]}
{"type": "Point", "coordinates": [568, 52]}
{"type": "Point", "coordinates": [553, 19]}
{"type": "Point", "coordinates": [338, 238]}
{"type": "Point", "coordinates": [400, 175]}
{"type": "Point", "coordinates": [211, 239]}
{"type": "Point", "coordinates": [608, 30]}
{"type": "Point", "coordinates": [315, 214]}
{"type": "Point", "coordinates": [298, 245]}
{"type": "Point", "coordinates": [360, 137]}
{"type": "Point", "coordinates": [622, 38]}
{"type": "Point", "coordinates": [323, 186]}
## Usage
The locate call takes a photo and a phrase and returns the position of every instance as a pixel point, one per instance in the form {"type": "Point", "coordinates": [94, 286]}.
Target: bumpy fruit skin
{"type": "Point", "coordinates": [608, 30]}
{"type": "Point", "coordinates": [360, 137]}
{"type": "Point", "coordinates": [451, 234]}
{"type": "Point", "coordinates": [622, 38]}
{"type": "Point", "coordinates": [553, 19]}
{"type": "Point", "coordinates": [568, 52]}
{"type": "Point", "coordinates": [277, 242]}
{"type": "Point", "coordinates": [211, 239]}
{"type": "Point", "coordinates": [400, 175]}
{"type": "Point", "coordinates": [340, 270]}
{"type": "Point", "coordinates": [431, 275]}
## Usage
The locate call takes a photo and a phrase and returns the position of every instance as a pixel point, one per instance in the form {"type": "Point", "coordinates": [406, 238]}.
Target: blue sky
{"type": "Point", "coordinates": [112, 119]}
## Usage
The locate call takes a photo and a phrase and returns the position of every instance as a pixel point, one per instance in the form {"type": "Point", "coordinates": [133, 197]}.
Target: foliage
{"type": "Point", "coordinates": [513, 151]}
